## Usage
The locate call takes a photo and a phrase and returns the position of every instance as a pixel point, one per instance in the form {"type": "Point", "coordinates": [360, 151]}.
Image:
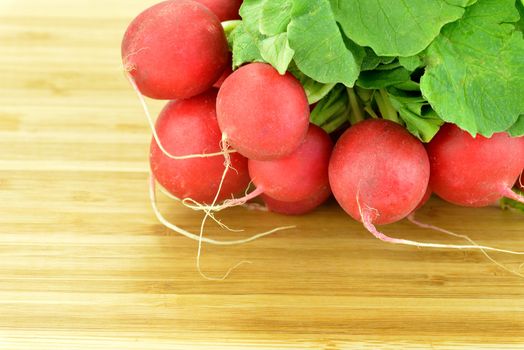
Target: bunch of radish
{"type": "Point", "coordinates": [225, 132]}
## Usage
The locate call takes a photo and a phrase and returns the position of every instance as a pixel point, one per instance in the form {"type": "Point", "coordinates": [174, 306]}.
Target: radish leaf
{"type": "Point", "coordinates": [320, 49]}
{"type": "Point", "coordinates": [395, 27]}
{"type": "Point", "coordinates": [474, 75]}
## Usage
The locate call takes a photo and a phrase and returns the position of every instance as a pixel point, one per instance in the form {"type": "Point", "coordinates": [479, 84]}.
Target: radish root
{"type": "Point", "coordinates": [228, 203]}
{"type": "Point", "coordinates": [197, 207]}
{"type": "Point", "coordinates": [411, 218]}
{"type": "Point", "coordinates": [368, 214]}
{"type": "Point", "coordinates": [227, 164]}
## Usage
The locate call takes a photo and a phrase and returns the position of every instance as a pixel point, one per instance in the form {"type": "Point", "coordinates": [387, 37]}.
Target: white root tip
{"type": "Point", "coordinates": [255, 207]}
{"type": "Point", "coordinates": [483, 249]}
{"type": "Point", "coordinates": [226, 275]}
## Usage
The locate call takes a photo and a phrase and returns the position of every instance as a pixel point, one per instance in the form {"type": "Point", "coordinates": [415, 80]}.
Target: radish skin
{"type": "Point", "coordinates": [263, 114]}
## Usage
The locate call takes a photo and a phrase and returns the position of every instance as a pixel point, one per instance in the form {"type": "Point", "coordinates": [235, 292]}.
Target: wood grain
{"type": "Point", "coordinates": [85, 265]}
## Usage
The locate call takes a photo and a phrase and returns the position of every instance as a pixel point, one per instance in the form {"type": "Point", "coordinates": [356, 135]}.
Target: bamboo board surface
{"type": "Point", "coordinates": [84, 264]}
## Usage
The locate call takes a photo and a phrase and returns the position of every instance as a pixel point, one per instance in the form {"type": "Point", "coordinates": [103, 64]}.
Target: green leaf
{"type": "Point", "coordinates": [276, 51]}
{"type": "Point", "coordinates": [395, 27]}
{"type": "Point", "coordinates": [409, 85]}
{"type": "Point", "coordinates": [276, 15]}
{"type": "Point", "coordinates": [372, 61]}
{"type": "Point", "coordinates": [356, 50]}
{"type": "Point", "coordinates": [462, 3]}
{"type": "Point", "coordinates": [229, 26]}
{"type": "Point", "coordinates": [420, 121]}
{"type": "Point", "coordinates": [332, 111]}
{"type": "Point", "coordinates": [315, 91]}
{"type": "Point", "coordinates": [378, 79]}
{"type": "Point", "coordinates": [520, 24]}
{"type": "Point", "coordinates": [474, 76]}
{"type": "Point", "coordinates": [389, 66]}
{"type": "Point", "coordinates": [423, 127]}
{"type": "Point", "coordinates": [320, 50]}
{"type": "Point", "coordinates": [251, 45]}
{"type": "Point", "coordinates": [243, 46]}
{"type": "Point", "coordinates": [251, 12]}
{"type": "Point", "coordinates": [517, 129]}
{"type": "Point", "coordinates": [410, 63]}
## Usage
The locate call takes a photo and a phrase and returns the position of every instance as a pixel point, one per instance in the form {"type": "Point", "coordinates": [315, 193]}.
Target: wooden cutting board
{"type": "Point", "coordinates": [84, 263]}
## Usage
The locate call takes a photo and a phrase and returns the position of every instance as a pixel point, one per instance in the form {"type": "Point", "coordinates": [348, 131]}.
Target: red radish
{"type": "Point", "coordinates": [263, 114]}
{"type": "Point", "coordinates": [175, 49]}
{"type": "Point", "coordinates": [225, 10]}
{"type": "Point", "coordinates": [380, 170]}
{"type": "Point", "coordinates": [474, 171]}
{"type": "Point", "coordinates": [190, 127]}
{"type": "Point", "coordinates": [379, 173]}
{"type": "Point", "coordinates": [301, 207]}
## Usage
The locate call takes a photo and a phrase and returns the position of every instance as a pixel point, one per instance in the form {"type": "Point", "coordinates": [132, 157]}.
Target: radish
{"type": "Point", "coordinates": [361, 157]}
{"type": "Point", "coordinates": [301, 207]}
{"type": "Point", "coordinates": [378, 172]}
{"type": "Point", "coordinates": [474, 171]}
{"type": "Point", "coordinates": [190, 127]}
{"type": "Point", "coordinates": [225, 10]}
{"type": "Point", "coordinates": [264, 115]}
{"type": "Point", "coordinates": [175, 49]}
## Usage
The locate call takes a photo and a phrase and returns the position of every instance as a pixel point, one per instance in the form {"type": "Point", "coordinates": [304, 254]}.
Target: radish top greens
{"type": "Point", "coordinates": [418, 63]}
